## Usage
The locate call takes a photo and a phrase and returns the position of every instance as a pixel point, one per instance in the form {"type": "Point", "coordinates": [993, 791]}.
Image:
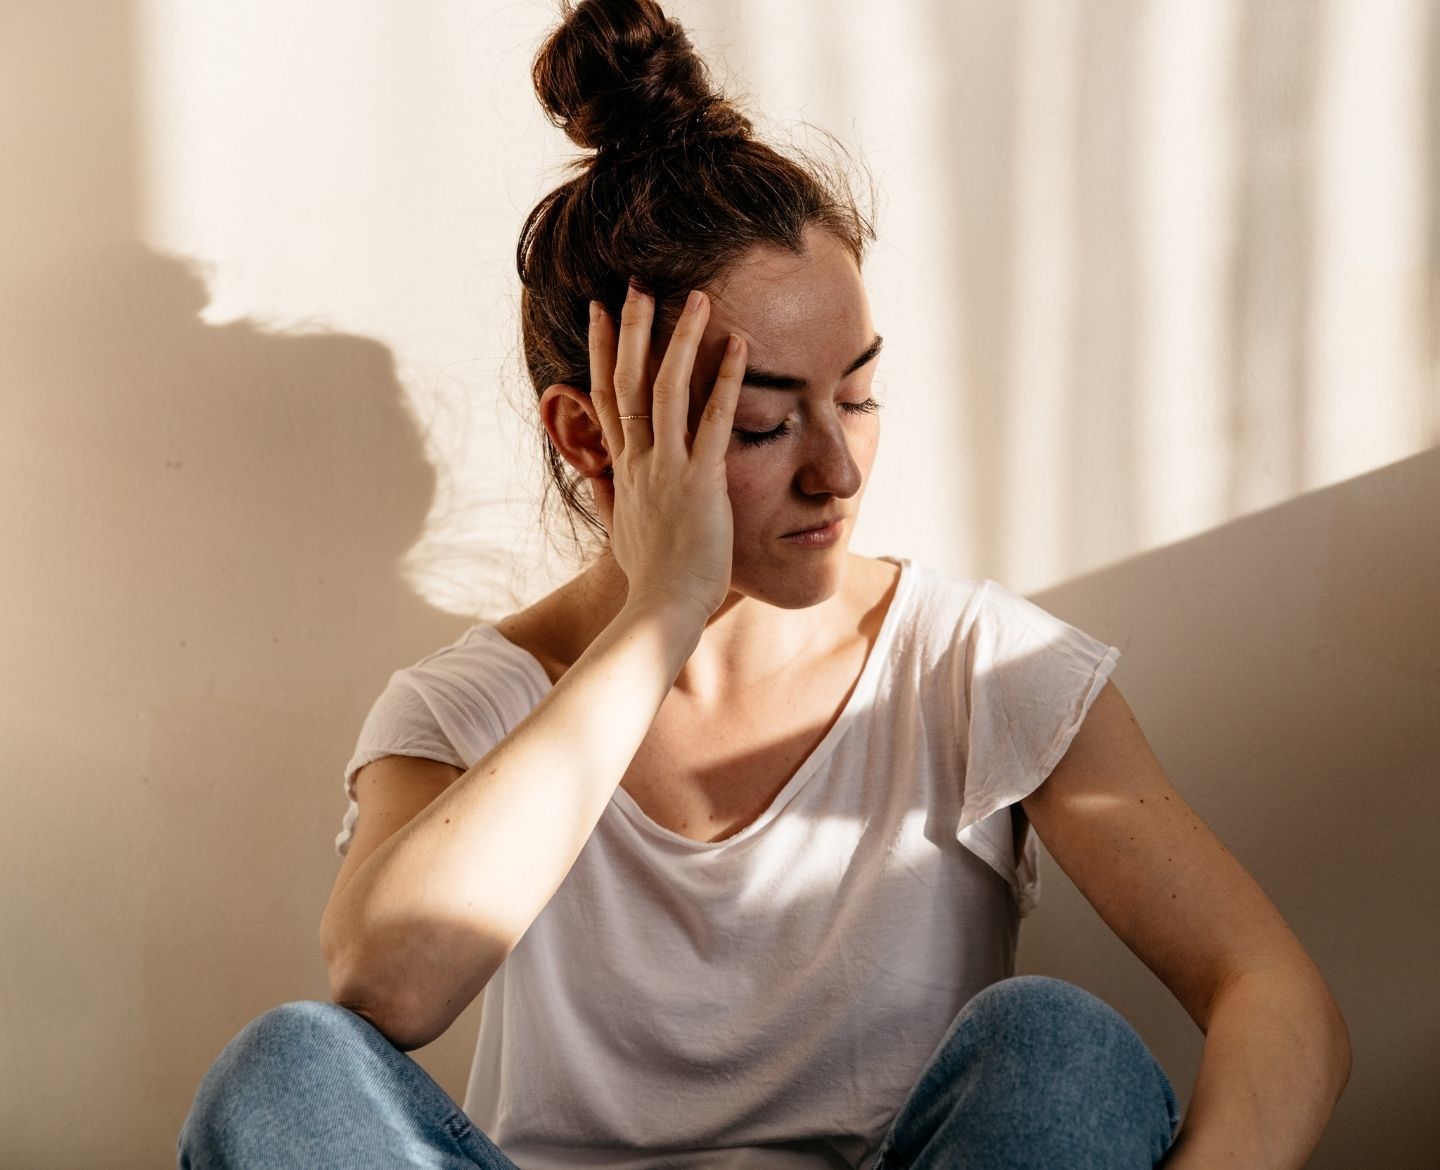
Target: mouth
{"type": "Point", "coordinates": [824, 524]}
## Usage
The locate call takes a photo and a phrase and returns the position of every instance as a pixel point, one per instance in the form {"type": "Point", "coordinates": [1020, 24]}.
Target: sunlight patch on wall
{"type": "Point", "coordinates": [1185, 174]}
{"type": "Point", "coordinates": [1141, 271]}
{"type": "Point", "coordinates": [1045, 287]}
{"type": "Point", "coordinates": [365, 171]}
{"type": "Point", "coordinates": [1366, 332]}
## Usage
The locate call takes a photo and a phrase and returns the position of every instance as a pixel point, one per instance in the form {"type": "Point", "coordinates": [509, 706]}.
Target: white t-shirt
{"type": "Point", "coordinates": [767, 1001]}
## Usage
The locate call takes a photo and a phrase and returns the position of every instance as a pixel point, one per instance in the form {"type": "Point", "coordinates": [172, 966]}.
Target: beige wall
{"type": "Point", "coordinates": [1159, 287]}
{"type": "Point", "coordinates": [1286, 668]}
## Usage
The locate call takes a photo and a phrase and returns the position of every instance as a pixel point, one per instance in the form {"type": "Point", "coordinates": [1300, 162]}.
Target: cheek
{"type": "Point", "coordinates": [750, 482]}
{"type": "Point", "coordinates": [739, 480]}
{"type": "Point", "coordinates": [865, 455]}
{"type": "Point", "coordinates": [864, 444]}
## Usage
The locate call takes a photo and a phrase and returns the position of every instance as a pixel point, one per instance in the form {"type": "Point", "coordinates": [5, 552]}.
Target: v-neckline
{"type": "Point", "coordinates": [860, 695]}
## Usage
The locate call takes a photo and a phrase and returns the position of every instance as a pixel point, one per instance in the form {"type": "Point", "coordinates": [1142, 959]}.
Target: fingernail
{"type": "Point", "coordinates": [692, 302]}
{"type": "Point", "coordinates": [594, 311]}
{"type": "Point", "coordinates": [733, 345]}
{"type": "Point", "coordinates": [632, 292]}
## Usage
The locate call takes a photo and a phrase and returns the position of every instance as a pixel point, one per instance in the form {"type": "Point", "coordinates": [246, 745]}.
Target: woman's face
{"type": "Point", "coordinates": [806, 426]}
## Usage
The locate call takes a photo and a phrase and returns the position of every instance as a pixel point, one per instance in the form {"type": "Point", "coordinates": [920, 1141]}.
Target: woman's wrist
{"type": "Point", "coordinates": [679, 623]}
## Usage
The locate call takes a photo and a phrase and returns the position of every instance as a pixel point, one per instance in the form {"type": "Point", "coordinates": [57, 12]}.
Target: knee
{"type": "Point", "coordinates": [1059, 1039]}
{"type": "Point", "coordinates": [287, 1040]}
{"type": "Point", "coordinates": [275, 1055]}
{"type": "Point", "coordinates": [1040, 1010]}
{"type": "Point", "coordinates": [300, 1025]}
{"type": "Point", "coordinates": [1043, 1022]}
{"type": "Point", "coordinates": [1048, 1072]}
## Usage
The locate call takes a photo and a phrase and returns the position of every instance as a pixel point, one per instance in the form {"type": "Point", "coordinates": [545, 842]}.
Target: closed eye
{"type": "Point", "coordinates": [759, 438]}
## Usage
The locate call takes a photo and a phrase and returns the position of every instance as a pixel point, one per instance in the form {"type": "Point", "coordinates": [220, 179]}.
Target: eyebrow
{"type": "Point", "coordinates": [765, 380]}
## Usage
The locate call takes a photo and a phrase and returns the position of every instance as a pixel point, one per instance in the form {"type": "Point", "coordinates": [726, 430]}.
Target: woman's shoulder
{"type": "Point", "coordinates": [952, 606]}
{"type": "Point", "coordinates": [928, 594]}
{"type": "Point", "coordinates": [528, 630]}
{"type": "Point", "coordinates": [480, 662]}
{"type": "Point", "coordinates": [556, 629]}
{"type": "Point", "coordinates": [971, 596]}
{"type": "Point", "coordinates": [874, 581]}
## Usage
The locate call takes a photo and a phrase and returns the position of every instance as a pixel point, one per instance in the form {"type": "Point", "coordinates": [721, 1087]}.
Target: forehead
{"type": "Point", "coordinates": [786, 305]}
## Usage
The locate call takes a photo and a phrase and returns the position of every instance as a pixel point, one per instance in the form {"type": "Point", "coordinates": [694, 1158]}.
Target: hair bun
{"type": "Point", "coordinates": [619, 75]}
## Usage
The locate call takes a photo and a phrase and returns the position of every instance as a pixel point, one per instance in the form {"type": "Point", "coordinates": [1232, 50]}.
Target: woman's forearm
{"type": "Point", "coordinates": [1276, 1058]}
{"type": "Point", "coordinates": [422, 925]}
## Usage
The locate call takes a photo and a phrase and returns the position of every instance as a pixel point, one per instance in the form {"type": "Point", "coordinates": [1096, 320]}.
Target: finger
{"type": "Point", "coordinates": [670, 398]}
{"type": "Point", "coordinates": [632, 395]}
{"type": "Point", "coordinates": [712, 437]}
{"type": "Point", "coordinates": [602, 374]}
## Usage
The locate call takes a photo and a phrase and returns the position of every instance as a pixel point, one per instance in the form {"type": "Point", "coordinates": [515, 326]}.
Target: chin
{"type": "Point", "coordinates": [794, 582]}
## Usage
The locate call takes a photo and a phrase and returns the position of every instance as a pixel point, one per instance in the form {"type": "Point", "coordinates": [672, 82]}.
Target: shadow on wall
{"type": "Point", "coordinates": [206, 604]}
{"type": "Point", "coordinates": [1304, 645]}
{"type": "Point", "coordinates": [202, 526]}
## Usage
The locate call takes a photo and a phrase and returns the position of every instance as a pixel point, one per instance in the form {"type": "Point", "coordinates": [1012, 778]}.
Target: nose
{"type": "Point", "coordinates": [827, 467]}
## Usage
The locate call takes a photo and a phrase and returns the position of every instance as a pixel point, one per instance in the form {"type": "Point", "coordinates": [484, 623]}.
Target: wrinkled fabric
{"type": "Point", "coordinates": [767, 1001]}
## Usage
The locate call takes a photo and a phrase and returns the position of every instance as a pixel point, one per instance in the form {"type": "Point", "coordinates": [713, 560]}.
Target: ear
{"type": "Point", "coordinates": [574, 427]}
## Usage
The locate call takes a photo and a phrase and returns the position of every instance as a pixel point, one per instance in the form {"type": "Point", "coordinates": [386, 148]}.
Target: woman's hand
{"type": "Point", "coordinates": [667, 507]}
{"type": "Point", "coordinates": [490, 849]}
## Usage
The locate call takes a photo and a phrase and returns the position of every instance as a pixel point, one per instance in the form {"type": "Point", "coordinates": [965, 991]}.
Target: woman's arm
{"type": "Point", "coordinates": [423, 922]}
{"type": "Point", "coordinates": [1277, 1053]}
{"type": "Point", "coordinates": [416, 929]}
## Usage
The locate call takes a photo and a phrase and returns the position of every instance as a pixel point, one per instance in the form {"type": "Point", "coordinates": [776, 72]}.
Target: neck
{"type": "Point", "coordinates": [746, 642]}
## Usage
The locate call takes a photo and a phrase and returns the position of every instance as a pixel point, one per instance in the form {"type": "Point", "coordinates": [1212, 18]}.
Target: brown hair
{"type": "Point", "coordinates": [676, 193]}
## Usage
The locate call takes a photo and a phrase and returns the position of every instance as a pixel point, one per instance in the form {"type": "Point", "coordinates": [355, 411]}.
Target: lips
{"type": "Point", "coordinates": [816, 527]}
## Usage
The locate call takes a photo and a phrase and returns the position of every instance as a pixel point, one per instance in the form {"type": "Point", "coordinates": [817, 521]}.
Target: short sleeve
{"type": "Point", "coordinates": [400, 723]}
{"type": "Point", "coordinates": [1030, 681]}
{"type": "Point", "coordinates": [453, 706]}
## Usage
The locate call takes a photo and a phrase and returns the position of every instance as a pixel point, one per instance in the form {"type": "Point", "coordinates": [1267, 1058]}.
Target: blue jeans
{"type": "Point", "coordinates": [1033, 1073]}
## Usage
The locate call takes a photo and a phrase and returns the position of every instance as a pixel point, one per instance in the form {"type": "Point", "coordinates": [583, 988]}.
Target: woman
{"type": "Point", "coordinates": [733, 829]}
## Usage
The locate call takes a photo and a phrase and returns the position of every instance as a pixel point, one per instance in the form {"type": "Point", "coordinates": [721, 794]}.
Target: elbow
{"type": "Point", "coordinates": [1330, 1035]}
{"type": "Point", "coordinates": [1330, 1044]}
{"type": "Point", "coordinates": [1299, 1012]}
{"type": "Point", "coordinates": [1343, 1049]}
{"type": "Point", "coordinates": [398, 1001]}
{"type": "Point", "coordinates": [353, 987]}
{"type": "Point", "coordinates": [410, 982]}
{"type": "Point", "coordinates": [1337, 1054]}
{"type": "Point", "coordinates": [400, 1031]}
{"type": "Point", "coordinates": [392, 1016]}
